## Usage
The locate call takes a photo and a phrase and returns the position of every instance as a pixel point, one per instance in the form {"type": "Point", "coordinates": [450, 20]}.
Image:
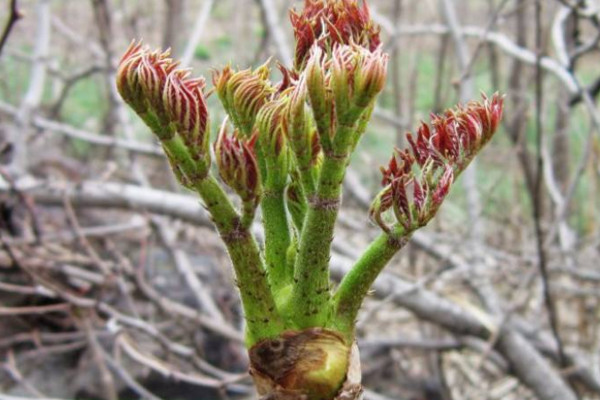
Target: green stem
{"type": "Point", "coordinates": [307, 179]}
{"type": "Point", "coordinates": [363, 122]}
{"type": "Point", "coordinates": [356, 284]}
{"type": "Point", "coordinates": [257, 299]}
{"type": "Point", "coordinates": [300, 142]}
{"type": "Point", "coordinates": [311, 293]}
{"type": "Point", "coordinates": [248, 212]}
{"type": "Point", "coordinates": [187, 170]}
{"type": "Point", "coordinates": [274, 177]}
{"type": "Point", "coordinates": [259, 306]}
{"type": "Point", "coordinates": [297, 206]}
{"type": "Point", "coordinates": [277, 238]}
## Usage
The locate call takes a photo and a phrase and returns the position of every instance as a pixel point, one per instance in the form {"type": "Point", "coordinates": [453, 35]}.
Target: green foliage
{"type": "Point", "coordinates": [202, 53]}
{"type": "Point", "coordinates": [85, 101]}
{"type": "Point", "coordinates": [224, 42]}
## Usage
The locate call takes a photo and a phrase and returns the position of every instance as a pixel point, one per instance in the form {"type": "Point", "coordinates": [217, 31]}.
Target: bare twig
{"type": "Point", "coordinates": [12, 311]}
{"type": "Point", "coordinates": [174, 20]}
{"type": "Point", "coordinates": [74, 222]}
{"type": "Point", "coordinates": [185, 269]}
{"type": "Point", "coordinates": [127, 378]}
{"type": "Point", "coordinates": [537, 199]}
{"type": "Point", "coordinates": [174, 308]}
{"type": "Point", "coordinates": [396, 77]}
{"type": "Point", "coordinates": [27, 202]}
{"type": "Point", "coordinates": [108, 383]}
{"type": "Point", "coordinates": [417, 299]}
{"type": "Point", "coordinates": [7, 397]}
{"type": "Point", "coordinates": [93, 138]}
{"type": "Point", "coordinates": [466, 93]}
{"type": "Point", "coordinates": [500, 40]}
{"type": "Point", "coordinates": [33, 96]}
{"type": "Point", "coordinates": [14, 15]}
{"type": "Point", "coordinates": [10, 366]}
{"type": "Point", "coordinates": [490, 25]}
{"type": "Point", "coordinates": [76, 38]}
{"type": "Point", "coordinates": [194, 37]}
{"type": "Point", "coordinates": [421, 343]}
{"type": "Point", "coordinates": [127, 345]}
{"type": "Point", "coordinates": [276, 33]}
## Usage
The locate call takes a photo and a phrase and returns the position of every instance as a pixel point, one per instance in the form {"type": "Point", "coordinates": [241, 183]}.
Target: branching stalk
{"type": "Point", "coordinates": [355, 286]}
{"type": "Point", "coordinates": [311, 292]}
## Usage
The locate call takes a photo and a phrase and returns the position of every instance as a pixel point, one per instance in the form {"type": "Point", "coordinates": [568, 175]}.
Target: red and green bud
{"type": "Point", "coordinates": [165, 97]}
{"type": "Point", "coordinates": [458, 135]}
{"type": "Point", "coordinates": [344, 62]}
{"type": "Point", "coordinates": [316, 79]}
{"type": "Point", "coordinates": [288, 77]}
{"type": "Point", "coordinates": [343, 88]}
{"type": "Point", "coordinates": [187, 110]}
{"type": "Point", "coordinates": [357, 77]}
{"type": "Point", "coordinates": [243, 94]}
{"type": "Point", "coordinates": [303, 136]}
{"type": "Point", "coordinates": [273, 127]}
{"type": "Point", "coordinates": [417, 181]}
{"type": "Point", "coordinates": [327, 23]}
{"type": "Point", "coordinates": [236, 161]}
{"type": "Point", "coordinates": [382, 203]}
{"type": "Point", "coordinates": [141, 78]}
{"type": "Point", "coordinates": [370, 77]}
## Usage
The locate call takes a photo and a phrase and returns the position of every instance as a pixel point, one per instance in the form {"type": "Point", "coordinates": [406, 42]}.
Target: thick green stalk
{"type": "Point", "coordinates": [277, 237]}
{"type": "Point", "coordinates": [311, 293]}
{"type": "Point", "coordinates": [363, 122]}
{"type": "Point", "coordinates": [248, 213]}
{"type": "Point", "coordinates": [356, 284]}
{"type": "Point", "coordinates": [257, 299]}
{"type": "Point", "coordinates": [184, 166]}
{"type": "Point", "coordinates": [274, 175]}
{"type": "Point", "coordinates": [307, 179]}
{"type": "Point", "coordinates": [300, 141]}
{"type": "Point", "coordinates": [259, 306]}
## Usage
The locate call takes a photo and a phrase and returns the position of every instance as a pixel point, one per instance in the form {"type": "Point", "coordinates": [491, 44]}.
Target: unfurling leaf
{"type": "Point", "coordinates": [417, 181]}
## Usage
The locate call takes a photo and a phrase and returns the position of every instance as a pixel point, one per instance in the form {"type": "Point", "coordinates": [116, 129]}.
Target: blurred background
{"type": "Point", "coordinates": [114, 285]}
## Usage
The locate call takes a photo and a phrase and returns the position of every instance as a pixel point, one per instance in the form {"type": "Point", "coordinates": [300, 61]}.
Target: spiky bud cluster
{"type": "Point", "coordinates": [243, 93]}
{"type": "Point", "coordinates": [326, 23]}
{"type": "Point", "coordinates": [343, 86]}
{"type": "Point", "coordinates": [417, 180]}
{"type": "Point", "coordinates": [165, 97]}
{"type": "Point", "coordinates": [273, 129]}
{"type": "Point", "coordinates": [457, 136]}
{"type": "Point", "coordinates": [357, 77]}
{"type": "Point", "coordinates": [303, 134]}
{"type": "Point", "coordinates": [236, 159]}
{"type": "Point", "coordinates": [273, 125]}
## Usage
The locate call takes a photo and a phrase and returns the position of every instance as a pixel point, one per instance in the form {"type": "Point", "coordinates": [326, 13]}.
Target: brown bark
{"type": "Point", "coordinates": [174, 22]}
{"type": "Point", "coordinates": [560, 141]}
{"type": "Point", "coordinates": [516, 126]}
{"type": "Point", "coordinates": [395, 77]}
{"type": "Point", "coordinates": [103, 16]}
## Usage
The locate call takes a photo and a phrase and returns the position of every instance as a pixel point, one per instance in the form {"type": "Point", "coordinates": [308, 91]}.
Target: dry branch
{"type": "Point", "coordinates": [418, 300]}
